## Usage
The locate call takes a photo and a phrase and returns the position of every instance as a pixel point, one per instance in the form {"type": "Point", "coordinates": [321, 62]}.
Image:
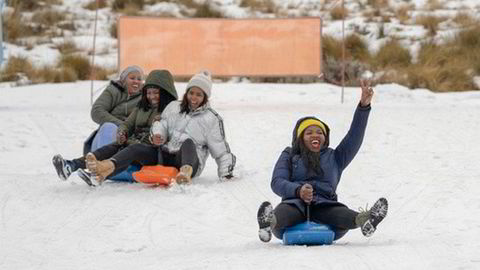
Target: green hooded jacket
{"type": "Point", "coordinates": [138, 123]}
{"type": "Point", "coordinates": [114, 105]}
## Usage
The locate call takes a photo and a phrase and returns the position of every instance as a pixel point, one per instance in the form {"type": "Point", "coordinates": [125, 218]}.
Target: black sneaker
{"type": "Point", "coordinates": [377, 213]}
{"type": "Point", "coordinates": [62, 166]}
{"type": "Point", "coordinates": [265, 218]}
{"type": "Point", "coordinates": [87, 177]}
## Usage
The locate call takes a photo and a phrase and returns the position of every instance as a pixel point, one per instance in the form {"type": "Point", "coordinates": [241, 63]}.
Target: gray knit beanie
{"type": "Point", "coordinates": [128, 70]}
{"type": "Point", "coordinates": [202, 80]}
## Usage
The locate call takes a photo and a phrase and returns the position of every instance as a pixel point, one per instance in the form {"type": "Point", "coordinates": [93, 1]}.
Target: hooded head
{"type": "Point", "coordinates": [202, 80]}
{"type": "Point", "coordinates": [302, 124]}
{"type": "Point", "coordinates": [163, 80]}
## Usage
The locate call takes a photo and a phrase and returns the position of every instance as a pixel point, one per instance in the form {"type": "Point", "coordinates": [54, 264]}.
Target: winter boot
{"type": "Point", "coordinates": [87, 177]}
{"type": "Point", "coordinates": [63, 167]}
{"type": "Point", "coordinates": [266, 221]}
{"type": "Point", "coordinates": [185, 175]}
{"type": "Point", "coordinates": [375, 215]}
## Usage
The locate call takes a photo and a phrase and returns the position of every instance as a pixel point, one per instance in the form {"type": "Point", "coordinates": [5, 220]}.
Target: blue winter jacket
{"type": "Point", "coordinates": [290, 172]}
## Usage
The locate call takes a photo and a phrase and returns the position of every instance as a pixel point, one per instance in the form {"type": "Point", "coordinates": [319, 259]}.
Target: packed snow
{"type": "Point", "coordinates": [420, 152]}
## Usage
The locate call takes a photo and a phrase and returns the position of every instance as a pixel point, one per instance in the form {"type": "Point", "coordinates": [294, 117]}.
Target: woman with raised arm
{"type": "Point", "coordinates": [307, 175]}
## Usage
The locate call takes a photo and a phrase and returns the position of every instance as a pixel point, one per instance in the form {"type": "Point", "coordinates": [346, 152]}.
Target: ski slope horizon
{"type": "Point", "coordinates": [420, 152]}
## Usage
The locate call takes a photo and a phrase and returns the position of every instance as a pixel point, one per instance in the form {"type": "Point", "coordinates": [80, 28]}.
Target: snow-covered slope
{"type": "Point", "coordinates": [420, 151]}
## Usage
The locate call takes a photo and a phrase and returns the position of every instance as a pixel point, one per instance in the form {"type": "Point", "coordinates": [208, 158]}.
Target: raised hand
{"type": "Point", "coordinates": [367, 93]}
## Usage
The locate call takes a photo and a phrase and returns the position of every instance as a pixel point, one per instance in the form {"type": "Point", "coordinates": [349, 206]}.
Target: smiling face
{"type": "Point", "coordinates": [153, 96]}
{"type": "Point", "coordinates": [195, 97]}
{"type": "Point", "coordinates": [133, 82]}
{"type": "Point", "coordinates": [313, 138]}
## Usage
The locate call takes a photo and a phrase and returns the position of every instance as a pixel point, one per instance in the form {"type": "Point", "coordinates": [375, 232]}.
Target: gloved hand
{"type": "Point", "coordinates": [121, 137]}
{"type": "Point", "coordinates": [227, 177]}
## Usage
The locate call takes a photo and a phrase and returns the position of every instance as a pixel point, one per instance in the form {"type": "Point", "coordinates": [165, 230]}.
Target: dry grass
{"type": "Point", "coordinates": [357, 48]}
{"type": "Point", "coordinates": [113, 30]}
{"type": "Point", "coordinates": [206, 10]}
{"type": "Point", "coordinates": [392, 54]}
{"type": "Point", "coordinates": [378, 4]}
{"type": "Point", "coordinates": [434, 5]}
{"type": "Point", "coordinates": [92, 5]}
{"type": "Point", "coordinates": [80, 64]}
{"type": "Point", "coordinates": [402, 12]}
{"type": "Point", "coordinates": [265, 6]}
{"type": "Point", "coordinates": [451, 77]}
{"type": "Point", "coordinates": [48, 17]}
{"type": "Point", "coordinates": [331, 47]}
{"type": "Point", "coordinates": [67, 47]}
{"type": "Point", "coordinates": [430, 23]}
{"type": "Point", "coordinates": [15, 28]}
{"type": "Point", "coordinates": [469, 39]}
{"type": "Point", "coordinates": [16, 65]}
{"type": "Point", "coordinates": [129, 7]}
{"type": "Point", "coordinates": [464, 19]}
{"type": "Point", "coordinates": [30, 5]}
{"type": "Point", "coordinates": [443, 68]}
{"type": "Point", "coordinates": [338, 13]}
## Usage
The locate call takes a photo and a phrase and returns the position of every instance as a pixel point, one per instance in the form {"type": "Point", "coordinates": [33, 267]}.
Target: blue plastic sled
{"type": "Point", "coordinates": [126, 176]}
{"type": "Point", "coordinates": [308, 233]}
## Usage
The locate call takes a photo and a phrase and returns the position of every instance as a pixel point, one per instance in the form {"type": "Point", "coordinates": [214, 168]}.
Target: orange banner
{"type": "Point", "coordinates": [227, 47]}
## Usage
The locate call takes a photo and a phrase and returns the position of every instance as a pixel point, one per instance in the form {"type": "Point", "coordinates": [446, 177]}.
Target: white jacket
{"type": "Point", "coordinates": [204, 126]}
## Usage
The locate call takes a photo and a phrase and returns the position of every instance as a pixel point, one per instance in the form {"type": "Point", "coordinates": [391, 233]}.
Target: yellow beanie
{"type": "Point", "coordinates": [310, 122]}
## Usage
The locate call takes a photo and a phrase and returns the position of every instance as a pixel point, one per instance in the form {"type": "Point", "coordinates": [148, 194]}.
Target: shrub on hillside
{"type": "Point", "coordinates": [357, 47]}
{"type": "Point", "coordinates": [430, 23]}
{"type": "Point", "coordinates": [378, 4]}
{"type": "Point", "coordinates": [30, 5]}
{"type": "Point", "coordinates": [338, 13]}
{"type": "Point", "coordinates": [15, 66]}
{"type": "Point", "coordinates": [15, 28]}
{"type": "Point", "coordinates": [265, 6]}
{"type": "Point", "coordinates": [48, 17]}
{"type": "Point", "coordinates": [206, 10]}
{"type": "Point", "coordinates": [464, 19]}
{"type": "Point", "coordinates": [469, 39]}
{"type": "Point", "coordinates": [92, 5]}
{"type": "Point", "coordinates": [392, 53]}
{"type": "Point", "coordinates": [78, 63]}
{"type": "Point", "coordinates": [331, 47]}
{"type": "Point", "coordinates": [122, 5]}
{"type": "Point", "coordinates": [113, 29]}
{"type": "Point", "coordinates": [67, 47]}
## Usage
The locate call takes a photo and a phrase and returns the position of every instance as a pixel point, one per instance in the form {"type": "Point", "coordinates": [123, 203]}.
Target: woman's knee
{"type": "Point", "coordinates": [339, 233]}
{"type": "Point", "coordinates": [188, 143]}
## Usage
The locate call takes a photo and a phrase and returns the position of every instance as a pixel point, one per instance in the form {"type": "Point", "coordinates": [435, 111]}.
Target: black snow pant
{"type": "Point", "coordinates": [339, 217]}
{"type": "Point", "coordinates": [187, 155]}
{"type": "Point", "coordinates": [144, 154]}
{"type": "Point", "coordinates": [123, 155]}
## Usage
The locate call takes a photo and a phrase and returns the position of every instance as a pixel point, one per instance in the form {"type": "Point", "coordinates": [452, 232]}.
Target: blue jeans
{"type": "Point", "coordinates": [106, 134]}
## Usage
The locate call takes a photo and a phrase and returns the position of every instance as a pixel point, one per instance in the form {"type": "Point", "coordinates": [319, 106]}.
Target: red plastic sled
{"type": "Point", "coordinates": [156, 175]}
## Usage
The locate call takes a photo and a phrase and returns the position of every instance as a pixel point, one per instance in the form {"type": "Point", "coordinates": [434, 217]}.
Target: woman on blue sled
{"type": "Point", "coordinates": [307, 175]}
{"type": "Point", "coordinates": [132, 143]}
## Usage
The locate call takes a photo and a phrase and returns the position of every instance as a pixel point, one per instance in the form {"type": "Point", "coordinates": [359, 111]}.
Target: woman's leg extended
{"type": "Point", "coordinates": [142, 153]}
{"type": "Point", "coordinates": [187, 155]}
{"type": "Point", "coordinates": [340, 217]}
{"type": "Point", "coordinates": [286, 216]}
{"type": "Point", "coordinates": [106, 134]}
{"type": "Point", "coordinates": [101, 153]}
